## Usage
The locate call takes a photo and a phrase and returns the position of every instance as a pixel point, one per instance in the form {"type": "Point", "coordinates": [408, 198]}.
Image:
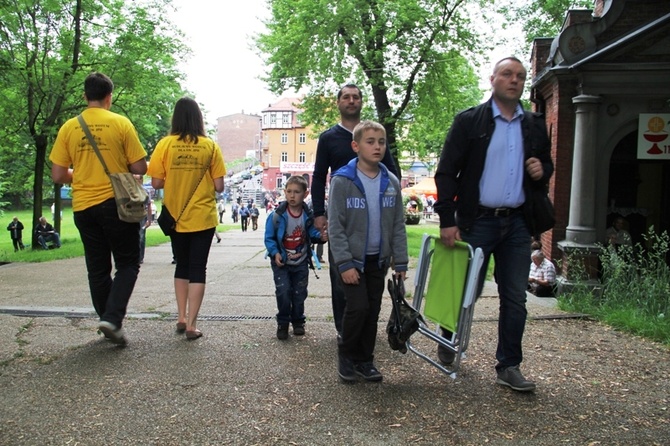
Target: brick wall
{"type": "Point", "coordinates": [238, 133]}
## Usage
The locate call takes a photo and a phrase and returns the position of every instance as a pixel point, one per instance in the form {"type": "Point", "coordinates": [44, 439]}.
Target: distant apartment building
{"type": "Point", "coordinates": [239, 136]}
{"type": "Point", "coordinates": [287, 148]}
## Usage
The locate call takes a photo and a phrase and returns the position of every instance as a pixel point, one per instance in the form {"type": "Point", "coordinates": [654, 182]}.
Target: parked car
{"type": "Point", "coordinates": [246, 175]}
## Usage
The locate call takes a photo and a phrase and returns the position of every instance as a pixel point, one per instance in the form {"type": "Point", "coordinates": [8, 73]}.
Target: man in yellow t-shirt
{"type": "Point", "coordinates": [102, 233]}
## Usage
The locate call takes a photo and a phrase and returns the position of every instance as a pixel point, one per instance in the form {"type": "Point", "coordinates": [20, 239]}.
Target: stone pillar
{"type": "Point", "coordinates": [581, 223]}
{"type": "Point", "coordinates": [579, 248]}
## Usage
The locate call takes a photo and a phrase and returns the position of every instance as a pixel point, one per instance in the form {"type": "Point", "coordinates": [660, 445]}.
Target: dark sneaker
{"type": "Point", "coordinates": [445, 355]}
{"type": "Point", "coordinates": [282, 331]}
{"type": "Point", "coordinates": [299, 329]}
{"type": "Point", "coordinates": [345, 368]}
{"type": "Point", "coordinates": [512, 377]}
{"type": "Point", "coordinates": [368, 371]}
{"type": "Point", "coordinates": [111, 332]}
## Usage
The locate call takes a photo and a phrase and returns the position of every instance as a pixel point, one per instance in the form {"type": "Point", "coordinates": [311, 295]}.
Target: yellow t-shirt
{"type": "Point", "coordinates": [181, 165]}
{"type": "Point", "coordinates": [119, 146]}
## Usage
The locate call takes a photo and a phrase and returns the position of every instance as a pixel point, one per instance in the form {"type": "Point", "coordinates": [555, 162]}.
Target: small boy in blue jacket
{"type": "Point", "coordinates": [366, 228]}
{"type": "Point", "coordinates": [289, 233]}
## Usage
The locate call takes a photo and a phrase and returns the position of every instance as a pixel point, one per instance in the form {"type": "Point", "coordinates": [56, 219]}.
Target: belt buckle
{"type": "Point", "coordinates": [501, 212]}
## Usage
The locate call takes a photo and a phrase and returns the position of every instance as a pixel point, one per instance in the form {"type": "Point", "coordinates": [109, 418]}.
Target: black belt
{"type": "Point", "coordinates": [497, 212]}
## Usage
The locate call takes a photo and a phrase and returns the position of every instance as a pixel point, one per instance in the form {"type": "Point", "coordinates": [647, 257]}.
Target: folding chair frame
{"type": "Point", "coordinates": [458, 342]}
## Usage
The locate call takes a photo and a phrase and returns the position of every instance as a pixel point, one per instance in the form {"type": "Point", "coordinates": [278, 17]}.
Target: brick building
{"type": "Point", "coordinates": [287, 147]}
{"type": "Point", "coordinates": [604, 86]}
{"type": "Point", "coordinates": [239, 135]}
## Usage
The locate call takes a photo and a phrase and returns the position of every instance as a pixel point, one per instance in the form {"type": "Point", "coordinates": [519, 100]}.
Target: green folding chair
{"type": "Point", "coordinates": [445, 292]}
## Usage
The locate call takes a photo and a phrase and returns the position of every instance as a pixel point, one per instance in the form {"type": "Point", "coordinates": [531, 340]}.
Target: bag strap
{"type": "Point", "coordinates": [91, 140]}
{"type": "Point", "coordinates": [197, 184]}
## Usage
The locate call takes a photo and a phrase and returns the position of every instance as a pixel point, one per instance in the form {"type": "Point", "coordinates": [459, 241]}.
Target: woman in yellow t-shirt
{"type": "Point", "coordinates": [189, 166]}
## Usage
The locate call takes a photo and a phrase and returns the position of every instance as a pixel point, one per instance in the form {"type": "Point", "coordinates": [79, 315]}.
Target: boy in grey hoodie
{"type": "Point", "coordinates": [366, 232]}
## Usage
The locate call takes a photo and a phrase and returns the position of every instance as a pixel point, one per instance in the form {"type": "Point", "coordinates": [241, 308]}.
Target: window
{"type": "Point", "coordinates": [284, 157]}
{"type": "Point", "coordinates": [265, 119]}
{"type": "Point", "coordinates": [273, 118]}
{"type": "Point", "coordinates": [284, 118]}
{"type": "Point", "coordinates": [284, 138]}
{"type": "Point", "coordinates": [302, 138]}
{"type": "Point", "coordinates": [301, 157]}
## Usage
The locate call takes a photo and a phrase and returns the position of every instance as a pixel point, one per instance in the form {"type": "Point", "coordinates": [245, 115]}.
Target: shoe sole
{"type": "Point", "coordinates": [112, 336]}
{"type": "Point", "coordinates": [518, 389]}
{"type": "Point", "coordinates": [371, 379]}
{"type": "Point", "coordinates": [348, 379]}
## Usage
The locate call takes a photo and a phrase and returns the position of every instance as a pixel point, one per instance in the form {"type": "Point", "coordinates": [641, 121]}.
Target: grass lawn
{"type": "Point", "coordinates": [70, 243]}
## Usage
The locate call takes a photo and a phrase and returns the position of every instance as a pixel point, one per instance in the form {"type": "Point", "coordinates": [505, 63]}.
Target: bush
{"type": "Point", "coordinates": [635, 289]}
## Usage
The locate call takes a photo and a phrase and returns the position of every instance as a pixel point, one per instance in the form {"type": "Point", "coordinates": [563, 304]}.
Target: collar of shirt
{"type": "Point", "coordinates": [518, 112]}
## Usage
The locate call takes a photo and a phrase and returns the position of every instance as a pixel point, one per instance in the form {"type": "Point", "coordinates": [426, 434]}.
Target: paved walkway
{"type": "Point", "coordinates": [60, 383]}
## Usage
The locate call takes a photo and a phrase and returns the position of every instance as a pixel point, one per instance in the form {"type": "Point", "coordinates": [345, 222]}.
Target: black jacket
{"type": "Point", "coordinates": [462, 163]}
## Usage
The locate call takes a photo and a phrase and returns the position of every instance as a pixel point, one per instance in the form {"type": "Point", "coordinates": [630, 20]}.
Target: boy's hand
{"type": "Point", "coordinates": [324, 236]}
{"type": "Point", "coordinates": [351, 276]}
{"type": "Point", "coordinates": [321, 223]}
{"type": "Point", "coordinates": [278, 260]}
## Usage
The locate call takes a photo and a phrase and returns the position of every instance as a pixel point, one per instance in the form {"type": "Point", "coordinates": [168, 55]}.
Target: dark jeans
{"type": "Point", "coordinates": [363, 302]}
{"type": "Point", "coordinates": [105, 236]}
{"type": "Point", "coordinates": [43, 239]}
{"type": "Point", "coordinates": [336, 292]}
{"type": "Point", "coordinates": [191, 251]}
{"type": "Point", "coordinates": [291, 292]}
{"type": "Point", "coordinates": [508, 240]}
{"type": "Point", "coordinates": [18, 244]}
{"type": "Point", "coordinates": [244, 221]}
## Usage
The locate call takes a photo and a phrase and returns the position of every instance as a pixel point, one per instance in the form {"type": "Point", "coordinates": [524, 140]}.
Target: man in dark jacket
{"type": "Point", "coordinates": [332, 152]}
{"type": "Point", "coordinates": [15, 229]}
{"type": "Point", "coordinates": [46, 233]}
{"type": "Point", "coordinates": [495, 155]}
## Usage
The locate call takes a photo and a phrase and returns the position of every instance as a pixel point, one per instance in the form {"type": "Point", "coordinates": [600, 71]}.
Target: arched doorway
{"type": "Point", "coordinates": [638, 190]}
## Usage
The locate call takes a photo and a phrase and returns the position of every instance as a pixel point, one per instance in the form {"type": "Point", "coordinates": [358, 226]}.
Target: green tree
{"type": "Point", "coordinates": [541, 18]}
{"type": "Point", "coordinates": [391, 48]}
{"type": "Point", "coordinates": [47, 48]}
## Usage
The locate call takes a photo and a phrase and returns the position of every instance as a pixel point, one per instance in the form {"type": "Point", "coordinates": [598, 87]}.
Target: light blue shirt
{"type": "Point", "coordinates": [501, 184]}
{"type": "Point", "coordinates": [371, 186]}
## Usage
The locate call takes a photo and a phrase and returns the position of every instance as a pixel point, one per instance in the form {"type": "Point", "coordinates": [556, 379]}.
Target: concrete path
{"type": "Point", "coordinates": [61, 384]}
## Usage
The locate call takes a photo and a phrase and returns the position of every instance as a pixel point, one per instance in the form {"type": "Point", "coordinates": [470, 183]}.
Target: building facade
{"type": "Point", "coordinates": [604, 86]}
{"type": "Point", "coordinates": [239, 136]}
{"type": "Point", "coordinates": [287, 146]}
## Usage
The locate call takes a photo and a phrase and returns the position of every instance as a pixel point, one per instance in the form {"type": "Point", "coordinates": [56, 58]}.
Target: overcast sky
{"type": "Point", "coordinates": [224, 71]}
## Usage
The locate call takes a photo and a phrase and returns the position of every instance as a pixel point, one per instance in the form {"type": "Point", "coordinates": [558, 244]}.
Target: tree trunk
{"type": "Point", "coordinates": [40, 158]}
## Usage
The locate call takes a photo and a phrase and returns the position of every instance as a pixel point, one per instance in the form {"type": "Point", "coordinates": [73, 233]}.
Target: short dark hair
{"type": "Point", "coordinates": [97, 86]}
{"type": "Point", "coordinates": [187, 120]}
{"type": "Point", "coordinates": [339, 93]}
{"type": "Point", "coordinates": [512, 58]}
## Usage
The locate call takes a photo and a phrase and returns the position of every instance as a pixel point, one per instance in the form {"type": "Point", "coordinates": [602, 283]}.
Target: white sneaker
{"type": "Point", "coordinates": [111, 332]}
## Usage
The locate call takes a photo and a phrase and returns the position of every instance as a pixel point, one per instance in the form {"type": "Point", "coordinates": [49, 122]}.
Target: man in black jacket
{"type": "Point", "coordinates": [495, 155]}
{"type": "Point", "coordinates": [46, 233]}
{"type": "Point", "coordinates": [332, 152]}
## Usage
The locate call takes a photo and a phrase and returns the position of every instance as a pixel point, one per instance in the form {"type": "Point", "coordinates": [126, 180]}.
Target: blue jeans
{"type": "Point", "coordinates": [105, 236]}
{"type": "Point", "coordinates": [508, 239]}
{"type": "Point", "coordinates": [43, 239]}
{"type": "Point", "coordinates": [291, 292]}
